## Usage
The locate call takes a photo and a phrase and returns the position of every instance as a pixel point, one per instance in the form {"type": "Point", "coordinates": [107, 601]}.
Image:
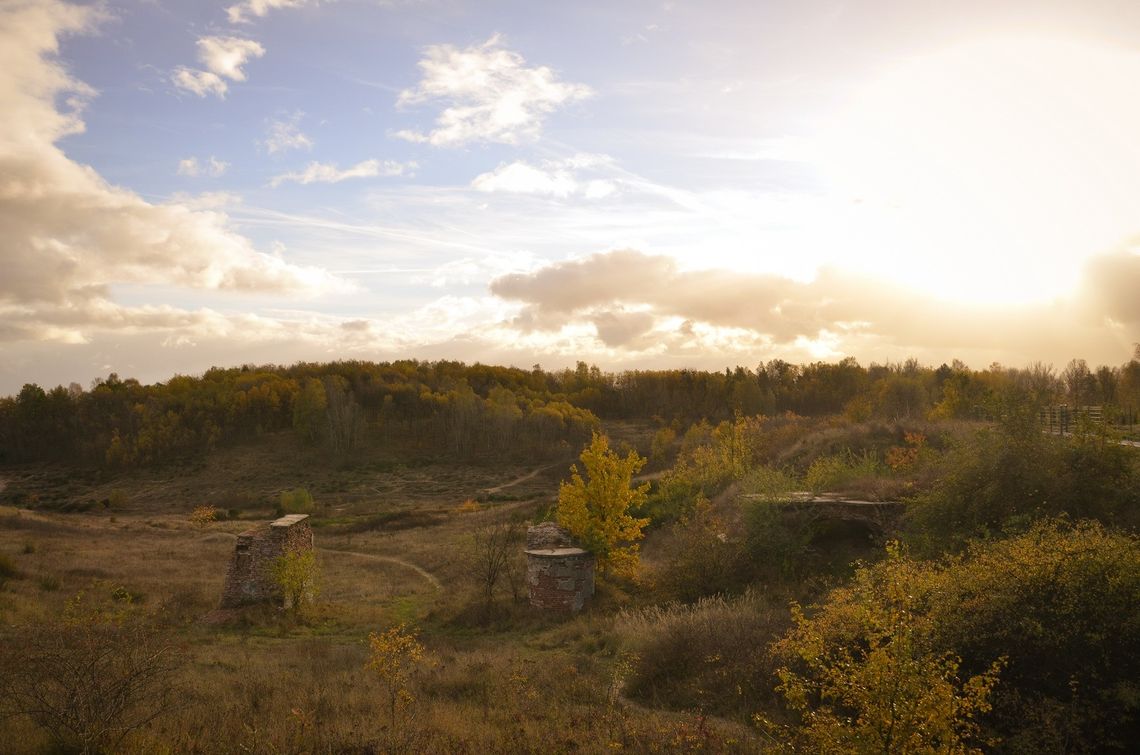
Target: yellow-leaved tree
{"type": "Point", "coordinates": [595, 509]}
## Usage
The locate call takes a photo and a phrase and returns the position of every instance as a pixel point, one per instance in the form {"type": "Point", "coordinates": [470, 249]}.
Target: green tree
{"type": "Point", "coordinates": [595, 508]}
{"type": "Point", "coordinates": [309, 409]}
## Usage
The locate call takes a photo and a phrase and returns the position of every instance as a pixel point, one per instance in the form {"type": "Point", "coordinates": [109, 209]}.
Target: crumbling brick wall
{"type": "Point", "coordinates": [559, 575]}
{"type": "Point", "coordinates": [250, 575]}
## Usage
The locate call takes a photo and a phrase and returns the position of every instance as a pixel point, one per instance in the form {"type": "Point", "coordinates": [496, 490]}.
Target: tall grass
{"type": "Point", "coordinates": [710, 655]}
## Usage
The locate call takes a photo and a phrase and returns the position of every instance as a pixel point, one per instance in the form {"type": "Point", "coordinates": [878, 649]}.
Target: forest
{"type": "Point", "coordinates": [494, 412]}
{"type": "Point", "coordinates": [791, 558]}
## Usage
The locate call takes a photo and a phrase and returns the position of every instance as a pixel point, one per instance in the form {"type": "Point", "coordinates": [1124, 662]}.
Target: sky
{"type": "Point", "coordinates": [186, 183]}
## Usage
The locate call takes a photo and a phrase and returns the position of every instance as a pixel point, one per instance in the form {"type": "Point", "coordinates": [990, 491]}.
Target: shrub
{"type": "Point", "coordinates": [1017, 473]}
{"type": "Point", "coordinates": [709, 655]}
{"type": "Point", "coordinates": [8, 570]}
{"type": "Point", "coordinates": [90, 679]}
{"type": "Point", "coordinates": [701, 560]}
{"type": "Point", "coordinates": [835, 472]}
{"type": "Point", "coordinates": [203, 515]}
{"type": "Point", "coordinates": [864, 675]}
{"type": "Point", "coordinates": [1058, 605]}
{"type": "Point", "coordinates": [297, 501]}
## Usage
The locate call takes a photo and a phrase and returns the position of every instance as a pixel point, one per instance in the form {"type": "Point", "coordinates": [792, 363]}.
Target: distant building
{"type": "Point", "coordinates": [250, 576]}
{"type": "Point", "coordinates": [559, 574]}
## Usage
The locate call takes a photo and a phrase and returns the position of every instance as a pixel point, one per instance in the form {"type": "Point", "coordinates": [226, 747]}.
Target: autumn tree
{"type": "Point", "coordinates": [595, 508]}
{"type": "Point", "coordinates": [864, 675]}
{"type": "Point", "coordinates": [1031, 640]}
{"type": "Point", "coordinates": [296, 574]}
{"type": "Point", "coordinates": [395, 655]}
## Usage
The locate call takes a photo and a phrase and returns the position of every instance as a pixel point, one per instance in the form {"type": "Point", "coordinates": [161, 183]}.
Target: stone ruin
{"type": "Point", "coordinates": [250, 576]}
{"type": "Point", "coordinates": [559, 574]}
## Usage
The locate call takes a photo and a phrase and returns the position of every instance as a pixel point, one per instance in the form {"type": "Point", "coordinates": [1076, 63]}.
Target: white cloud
{"type": "Point", "coordinates": [521, 178]}
{"type": "Point", "coordinates": [284, 134]}
{"type": "Point", "coordinates": [248, 9]}
{"type": "Point", "coordinates": [553, 178]}
{"type": "Point", "coordinates": [317, 172]}
{"type": "Point", "coordinates": [223, 58]}
{"type": "Point", "coordinates": [69, 236]}
{"type": "Point", "coordinates": [489, 95]}
{"type": "Point", "coordinates": [226, 55]}
{"type": "Point", "coordinates": [211, 166]}
{"type": "Point", "coordinates": [200, 83]}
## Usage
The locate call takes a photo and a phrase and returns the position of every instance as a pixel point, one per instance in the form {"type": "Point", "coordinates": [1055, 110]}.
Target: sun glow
{"type": "Point", "coordinates": [991, 171]}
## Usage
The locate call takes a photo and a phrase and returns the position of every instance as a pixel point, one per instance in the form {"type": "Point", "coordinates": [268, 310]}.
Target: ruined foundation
{"type": "Point", "coordinates": [559, 575]}
{"type": "Point", "coordinates": [250, 576]}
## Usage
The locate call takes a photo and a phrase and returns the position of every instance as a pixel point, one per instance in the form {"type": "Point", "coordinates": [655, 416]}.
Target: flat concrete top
{"type": "Point", "coordinates": [289, 520]}
{"type": "Point", "coordinates": [556, 552]}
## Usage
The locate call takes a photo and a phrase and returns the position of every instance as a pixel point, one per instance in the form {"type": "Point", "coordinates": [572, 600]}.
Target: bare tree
{"type": "Point", "coordinates": [495, 557]}
{"type": "Point", "coordinates": [345, 417]}
{"type": "Point", "coordinates": [89, 682]}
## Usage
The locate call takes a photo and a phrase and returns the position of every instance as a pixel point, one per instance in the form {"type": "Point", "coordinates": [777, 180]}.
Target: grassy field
{"type": "Point", "coordinates": [394, 548]}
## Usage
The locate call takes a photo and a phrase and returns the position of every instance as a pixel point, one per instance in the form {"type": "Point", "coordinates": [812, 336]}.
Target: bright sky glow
{"type": "Point", "coordinates": [637, 184]}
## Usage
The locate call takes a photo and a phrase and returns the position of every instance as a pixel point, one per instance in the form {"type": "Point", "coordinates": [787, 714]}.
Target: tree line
{"type": "Point", "coordinates": [467, 410]}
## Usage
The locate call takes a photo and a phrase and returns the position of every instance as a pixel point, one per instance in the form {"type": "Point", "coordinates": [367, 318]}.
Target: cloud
{"type": "Point", "coordinates": [488, 93]}
{"type": "Point", "coordinates": [558, 178]}
{"type": "Point", "coordinates": [69, 236]}
{"type": "Point", "coordinates": [223, 58]}
{"type": "Point", "coordinates": [247, 10]}
{"type": "Point", "coordinates": [211, 166]}
{"type": "Point", "coordinates": [226, 55]}
{"type": "Point", "coordinates": [627, 295]}
{"type": "Point", "coordinates": [200, 83]}
{"type": "Point", "coordinates": [553, 178]}
{"type": "Point", "coordinates": [317, 172]}
{"type": "Point", "coordinates": [1113, 281]}
{"type": "Point", "coordinates": [621, 328]}
{"type": "Point", "coordinates": [284, 134]}
{"type": "Point", "coordinates": [521, 178]}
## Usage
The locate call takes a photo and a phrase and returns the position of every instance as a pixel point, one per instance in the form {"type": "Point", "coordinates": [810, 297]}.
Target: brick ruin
{"type": "Point", "coordinates": [250, 576]}
{"type": "Point", "coordinates": [559, 574]}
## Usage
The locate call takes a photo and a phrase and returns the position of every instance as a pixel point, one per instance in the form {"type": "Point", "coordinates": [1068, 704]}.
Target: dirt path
{"type": "Point", "coordinates": [371, 557]}
{"type": "Point", "coordinates": [391, 560]}
{"type": "Point", "coordinates": [524, 478]}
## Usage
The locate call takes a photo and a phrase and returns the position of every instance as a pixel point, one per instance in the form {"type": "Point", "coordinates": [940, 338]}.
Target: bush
{"type": "Point", "coordinates": [839, 471]}
{"type": "Point", "coordinates": [709, 655]}
{"type": "Point", "coordinates": [90, 679]}
{"type": "Point", "coordinates": [1016, 473]}
{"type": "Point", "coordinates": [297, 501]}
{"type": "Point", "coordinates": [8, 570]}
{"type": "Point", "coordinates": [1058, 605]}
{"type": "Point", "coordinates": [701, 560]}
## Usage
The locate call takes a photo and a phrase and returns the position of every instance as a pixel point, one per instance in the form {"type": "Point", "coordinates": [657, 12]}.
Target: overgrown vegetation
{"type": "Point", "coordinates": [964, 577]}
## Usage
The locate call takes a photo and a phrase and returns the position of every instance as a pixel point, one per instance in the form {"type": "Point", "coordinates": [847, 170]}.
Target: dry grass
{"type": "Point", "coordinates": [394, 546]}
